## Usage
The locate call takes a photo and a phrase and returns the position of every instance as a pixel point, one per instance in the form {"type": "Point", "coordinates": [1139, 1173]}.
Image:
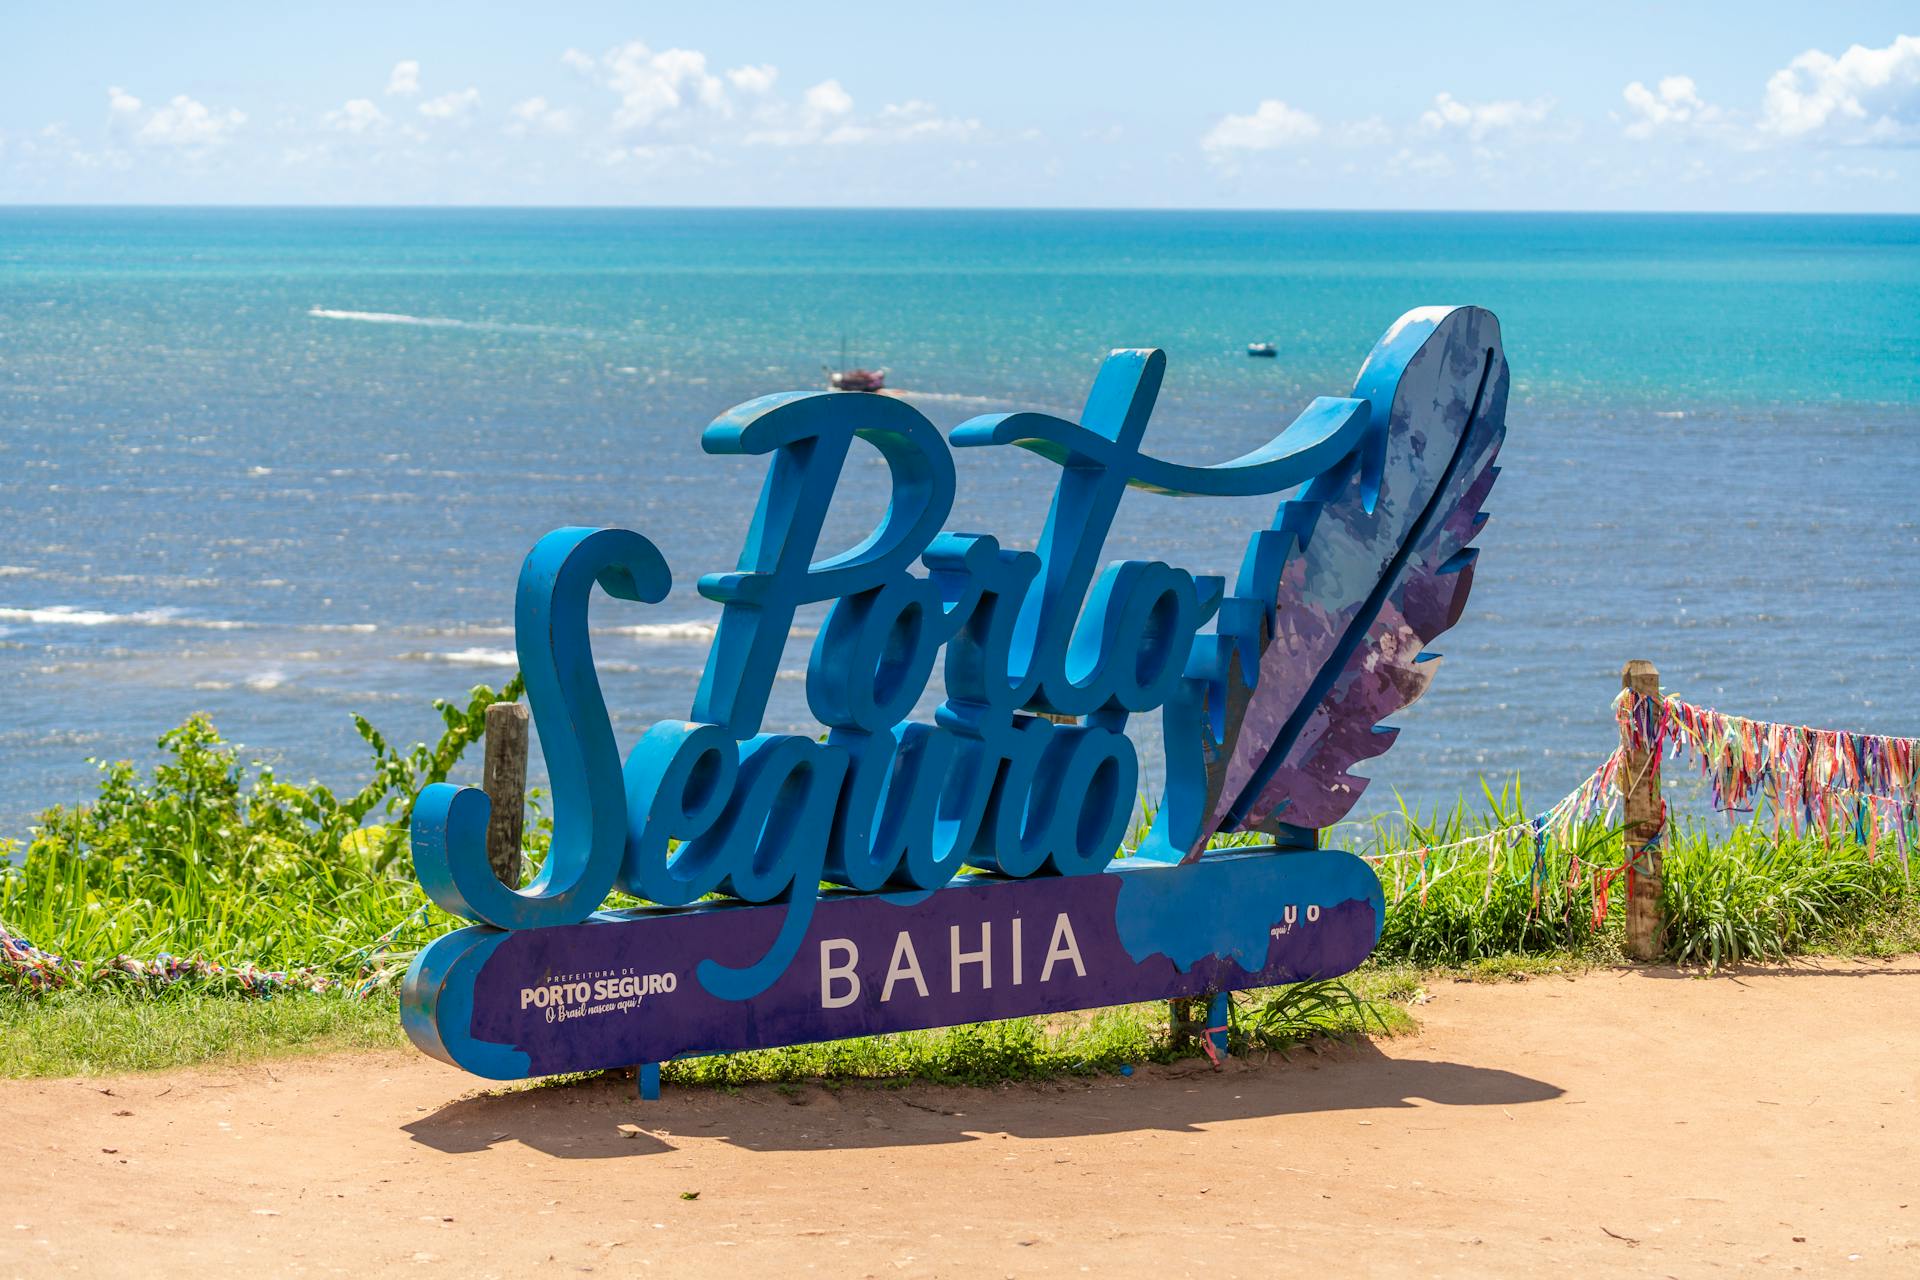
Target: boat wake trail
{"type": "Point", "coordinates": [437, 322]}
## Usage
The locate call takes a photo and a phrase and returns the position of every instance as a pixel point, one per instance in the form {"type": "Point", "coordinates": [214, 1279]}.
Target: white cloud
{"type": "Point", "coordinates": [1370, 132]}
{"type": "Point", "coordinates": [457, 105]}
{"type": "Point", "coordinates": [404, 80]}
{"type": "Point", "coordinates": [660, 158]}
{"type": "Point", "coordinates": [182, 122]}
{"type": "Point", "coordinates": [1480, 120]}
{"type": "Point", "coordinates": [652, 86]}
{"type": "Point", "coordinates": [1272, 124]}
{"type": "Point", "coordinates": [1863, 97]}
{"type": "Point", "coordinates": [753, 80]}
{"type": "Point", "coordinates": [1423, 163]}
{"type": "Point", "coordinates": [913, 121]}
{"type": "Point", "coordinates": [827, 100]}
{"type": "Point", "coordinates": [358, 115]}
{"type": "Point", "coordinates": [1672, 104]}
{"type": "Point", "coordinates": [1866, 173]}
{"type": "Point", "coordinates": [537, 115]}
{"type": "Point", "coordinates": [825, 116]}
{"type": "Point", "coordinates": [673, 95]}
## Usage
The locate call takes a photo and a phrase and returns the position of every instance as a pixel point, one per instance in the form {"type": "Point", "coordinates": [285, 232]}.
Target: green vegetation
{"type": "Point", "coordinates": [213, 859]}
{"type": "Point", "coordinates": [1747, 896]}
{"type": "Point", "coordinates": [218, 860]}
{"type": "Point", "coordinates": [1105, 1041]}
{"type": "Point", "coordinates": [104, 1031]}
{"type": "Point", "coordinates": [1730, 895]}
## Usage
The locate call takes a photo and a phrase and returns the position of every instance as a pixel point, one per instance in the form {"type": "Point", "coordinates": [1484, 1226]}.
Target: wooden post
{"type": "Point", "coordinates": [505, 782]}
{"type": "Point", "coordinates": [1182, 1017]}
{"type": "Point", "coordinates": [1645, 820]}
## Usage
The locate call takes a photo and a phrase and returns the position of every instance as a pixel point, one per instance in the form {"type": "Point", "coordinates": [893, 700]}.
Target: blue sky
{"type": "Point", "coordinates": [1712, 106]}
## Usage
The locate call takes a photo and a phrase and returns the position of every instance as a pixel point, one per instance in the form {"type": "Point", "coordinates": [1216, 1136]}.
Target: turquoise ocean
{"type": "Point", "coordinates": [282, 465]}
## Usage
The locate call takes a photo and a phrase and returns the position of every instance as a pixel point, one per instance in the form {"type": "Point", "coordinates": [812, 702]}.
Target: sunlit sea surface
{"type": "Point", "coordinates": [282, 466]}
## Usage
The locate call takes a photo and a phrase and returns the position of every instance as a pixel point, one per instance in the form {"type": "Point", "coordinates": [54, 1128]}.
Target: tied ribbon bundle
{"type": "Point", "coordinates": [45, 971]}
{"type": "Point", "coordinates": [1824, 780]}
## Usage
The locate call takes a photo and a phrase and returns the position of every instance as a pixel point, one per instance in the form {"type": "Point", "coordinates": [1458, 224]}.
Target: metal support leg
{"type": "Point", "coordinates": [646, 1079]}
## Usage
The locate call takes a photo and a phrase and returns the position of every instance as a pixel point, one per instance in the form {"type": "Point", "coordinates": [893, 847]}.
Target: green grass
{"type": "Point", "coordinates": [1730, 895]}
{"type": "Point", "coordinates": [214, 858]}
{"type": "Point", "coordinates": [103, 1032]}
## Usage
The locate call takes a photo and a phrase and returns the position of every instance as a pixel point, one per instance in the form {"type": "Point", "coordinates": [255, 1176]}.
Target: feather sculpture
{"type": "Point", "coordinates": [1326, 633]}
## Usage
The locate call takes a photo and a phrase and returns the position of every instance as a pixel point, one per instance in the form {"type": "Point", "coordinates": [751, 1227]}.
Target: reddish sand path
{"type": "Point", "coordinates": [1630, 1123]}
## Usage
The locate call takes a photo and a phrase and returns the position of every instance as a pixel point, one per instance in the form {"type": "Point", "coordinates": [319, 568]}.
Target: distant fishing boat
{"type": "Point", "coordinates": [1266, 349]}
{"type": "Point", "coordinates": [856, 379]}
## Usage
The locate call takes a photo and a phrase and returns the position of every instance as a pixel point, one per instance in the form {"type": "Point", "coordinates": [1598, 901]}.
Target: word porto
{"type": "Point", "coordinates": [810, 888]}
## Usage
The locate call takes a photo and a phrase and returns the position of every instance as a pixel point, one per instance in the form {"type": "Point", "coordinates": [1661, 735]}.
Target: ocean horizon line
{"type": "Point", "coordinates": [1169, 210]}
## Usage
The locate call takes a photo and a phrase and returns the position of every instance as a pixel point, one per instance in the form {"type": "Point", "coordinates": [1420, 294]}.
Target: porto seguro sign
{"type": "Point", "coordinates": [1268, 692]}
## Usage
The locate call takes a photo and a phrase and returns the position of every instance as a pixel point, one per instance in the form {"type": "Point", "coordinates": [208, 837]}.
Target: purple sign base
{"type": "Point", "coordinates": [639, 986]}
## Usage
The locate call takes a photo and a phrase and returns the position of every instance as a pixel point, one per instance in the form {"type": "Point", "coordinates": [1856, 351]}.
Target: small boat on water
{"type": "Point", "coordinates": [1266, 349]}
{"type": "Point", "coordinates": [857, 379]}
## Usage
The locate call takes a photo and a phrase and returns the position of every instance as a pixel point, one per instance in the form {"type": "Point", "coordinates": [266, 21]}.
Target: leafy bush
{"type": "Point", "coordinates": [219, 860]}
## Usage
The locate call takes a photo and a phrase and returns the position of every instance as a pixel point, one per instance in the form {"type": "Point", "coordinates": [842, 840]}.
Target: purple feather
{"type": "Point", "coordinates": [1373, 564]}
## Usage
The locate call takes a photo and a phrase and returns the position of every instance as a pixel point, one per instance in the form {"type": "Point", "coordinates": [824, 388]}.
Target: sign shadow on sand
{"type": "Point", "coordinates": [600, 1119]}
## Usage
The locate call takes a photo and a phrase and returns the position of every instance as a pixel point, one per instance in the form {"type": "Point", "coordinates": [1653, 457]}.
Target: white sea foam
{"type": "Point", "coordinates": [17, 570]}
{"type": "Point", "coordinates": [460, 630]}
{"type": "Point", "coordinates": [478, 657]}
{"type": "Point", "coordinates": [383, 317]}
{"type": "Point", "coordinates": [682, 632]}
{"type": "Point", "coordinates": [474, 657]}
{"type": "Point", "coordinates": [1670, 413]}
{"type": "Point", "coordinates": [433, 322]}
{"type": "Point", "coordinates": [666, 631]}
{"type": "Point", "coordinates": [946, 397]}
{"type": "Point", "coordinates": [266, 680]}
{"type": "Point", "coordinates": [67, 615]}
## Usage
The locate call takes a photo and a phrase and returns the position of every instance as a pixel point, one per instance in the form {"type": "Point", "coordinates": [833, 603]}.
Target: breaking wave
{"type": "Point", "coordinates": [475, 657]}
{"type": "Point", "coordinates": [669, 631]}
{"type": "Point", "coordinates": [479, 657]}
{"type": "Point", "coordinates": [69, 615]}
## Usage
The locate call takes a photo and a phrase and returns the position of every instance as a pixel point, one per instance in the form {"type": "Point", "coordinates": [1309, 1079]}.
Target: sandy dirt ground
{"type": "Point", "coordinates": [1639, 1123]}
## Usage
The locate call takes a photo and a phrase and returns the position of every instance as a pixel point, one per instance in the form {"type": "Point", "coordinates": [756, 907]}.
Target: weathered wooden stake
{"type": "Point", "coordinates": [505, 782]}
{"type": "Point", "coordinates": [1645, 821]}
{"type": "Point", "coordinates": [1183, 1016]}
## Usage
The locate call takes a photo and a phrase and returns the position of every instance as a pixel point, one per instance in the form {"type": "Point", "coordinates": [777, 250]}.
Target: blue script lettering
{"type": "Point", "coordinates": [712, 804]}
